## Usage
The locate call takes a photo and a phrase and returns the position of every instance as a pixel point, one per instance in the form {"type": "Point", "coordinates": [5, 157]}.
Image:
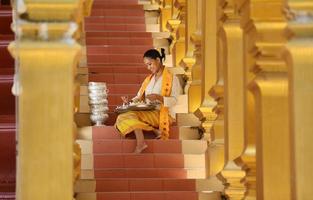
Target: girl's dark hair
{"type": "Point", "coordinates": [154, 54]}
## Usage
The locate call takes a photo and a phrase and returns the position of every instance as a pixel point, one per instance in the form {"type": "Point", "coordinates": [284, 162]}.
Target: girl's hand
{"type": "Point", "coordinates": [125, 99]}
{"type": "Point", "coordinates": [155, 97]}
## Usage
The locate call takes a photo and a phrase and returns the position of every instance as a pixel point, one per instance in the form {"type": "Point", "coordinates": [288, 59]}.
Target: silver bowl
{"type": "Point", "coordinates": [97, 88]}
{"type": "Point", "coordinates": [98, 101]}
{"type": "Point", "coordinates": [99, 119]}
{"type": "Point", "coordinates": [97, 95]}
{"type": "Point", "coordinates": [103, 109]}
{"type": "Point", "coordinates": [97, 84]}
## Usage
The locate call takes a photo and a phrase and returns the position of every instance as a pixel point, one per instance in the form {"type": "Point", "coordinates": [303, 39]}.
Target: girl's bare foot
{"type": "Point", "coordinates": [139, 149]}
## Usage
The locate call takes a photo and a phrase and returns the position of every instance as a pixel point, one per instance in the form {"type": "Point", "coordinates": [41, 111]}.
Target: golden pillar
{"type": "Point", "coordinates": [194, 87]}
{"type": "Point", "coordinates": [190, 27]}
{"type": "Point", "coordinates": [211, 109]}
{"type": "Point", "coordinates": [270, 92]}
{"type": "Point", "coordinates": [248, 158]}
{"type": "Point", "coordinates": [166, 14]}
{"type": "Point", "coordinates": [265, 160]}
{"type": "Point", "coordinates": [178, 43]}
{"type": "Point", "coordinates": [208, 75]}
{"type": "Point", "coordinates": [299, 61]}
{"type": "Point", "coordinates": [45, 137]}
{"type": "Point", "coordinates": [232, 74]}
{"type": "Point", "coordinates": [47, 56]}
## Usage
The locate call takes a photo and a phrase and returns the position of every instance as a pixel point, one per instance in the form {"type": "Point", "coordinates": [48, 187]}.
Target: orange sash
{"type": "Point", "coordinates": [166, 90]}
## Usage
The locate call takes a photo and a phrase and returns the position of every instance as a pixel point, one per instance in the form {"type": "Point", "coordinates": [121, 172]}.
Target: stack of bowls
{"type": "Point", "coordinates": [98, 102]}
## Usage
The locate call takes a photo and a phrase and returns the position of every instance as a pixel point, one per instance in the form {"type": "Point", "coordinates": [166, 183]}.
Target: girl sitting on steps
{"type": "Point", "coordinates": [160, 86]}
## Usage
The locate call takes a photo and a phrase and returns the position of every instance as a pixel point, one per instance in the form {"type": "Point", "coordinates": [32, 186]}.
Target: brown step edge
{"type": "Point", "coordinates": [168, 195]}
{"type": "Point", "coordinates": [7, 155]}
{"type": "Point", "coordinates": [148, 184]}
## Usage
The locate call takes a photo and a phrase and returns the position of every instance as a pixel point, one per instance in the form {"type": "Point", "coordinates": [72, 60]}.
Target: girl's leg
{"type": "Point", "coordinates": [141, 145]}
{"type": "Point", "coordinates": [157, 133]}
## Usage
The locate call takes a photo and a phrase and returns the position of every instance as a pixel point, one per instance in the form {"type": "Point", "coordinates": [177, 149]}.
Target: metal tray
{"type": "Point", "coordinates": [136, 108]}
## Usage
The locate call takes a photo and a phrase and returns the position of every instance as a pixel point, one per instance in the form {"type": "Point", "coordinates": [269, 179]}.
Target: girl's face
{"type": "Point", "coordinates": [153, 65]}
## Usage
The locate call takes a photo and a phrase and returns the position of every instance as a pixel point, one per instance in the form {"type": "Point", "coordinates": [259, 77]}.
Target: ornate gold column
{"type": "Point", "coordinates": [299, 61]}
{"type": "Point", "coordinates": [47, 56]}
{"type": "Point", "coordinates": [190, 27]}
{"type": "Point", "coordinates": [178, 43]}
{"type": "Point", "coordinates": [270, 93]}
{"type": "Point", "coordinates": [166, 14]}
{"type": "Point", "coordinates": [208, 64]}
{"type": "Point", "coordinates": [193, 87]}
{"type": "Point", "coordinates": [248, 158]}
{"type": "Point", "coordinates": [173, 25]}
{"type": "Point", "coordinates": [231, 63]}
{"type": "Point", "coordinates": [211, 108]}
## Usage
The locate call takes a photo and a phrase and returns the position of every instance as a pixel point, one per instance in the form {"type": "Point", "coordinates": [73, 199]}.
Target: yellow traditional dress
{"type": "Point", "coordinates": [167, 86]}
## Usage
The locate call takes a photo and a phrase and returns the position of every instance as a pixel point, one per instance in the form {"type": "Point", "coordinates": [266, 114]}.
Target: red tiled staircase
{"type": "Point", "coordinates": [7, 106]}
{"type": "Point", "coordinates": [116, 40]}
{"type": "Point", "coordinates": [171, 169]}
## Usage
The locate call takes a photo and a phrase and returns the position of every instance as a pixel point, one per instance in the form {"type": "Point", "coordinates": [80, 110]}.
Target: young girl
{"type": "Point", "coordinates": [160, 86]}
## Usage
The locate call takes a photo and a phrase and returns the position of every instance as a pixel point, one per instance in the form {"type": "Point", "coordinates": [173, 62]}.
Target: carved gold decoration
{"type": "Point", "coordinates": [58, 10]}
{"type": "Point", "coordinates": [172, 26]}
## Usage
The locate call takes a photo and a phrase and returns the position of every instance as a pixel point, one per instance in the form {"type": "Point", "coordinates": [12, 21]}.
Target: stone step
{"type": "Point", "coordinates": [6, 36]}
{"type": "Point", "coordinates": [7, 195]}
{"type": "Point", "coordinates": [115, 34]}
{"type": "Point", "coordinates": [139, 70]}
{"type": "Point", "coordinates": [115, 20]}
{"type": "Point", "coordinates": [188, 119]}
{"type": "Point", "coordinates": [159, 35]}
{"type": "Point", "coordinates": [117, 12]}
{"type": "Point", "coordinates": [122, 20]}
{"type": "Point", "coordinates": [120, 6]}
{"type": "Point", "coordinates": [143, 160]}
{"type": "Point", "coordinates": [123, 89]}
{"type": "Point", "coordinates": [178, 173]}
{"type": "Point", "coordinates": [114, 59]}
{"type": "Point", "coordinates": [146, 184]}
{"type": "Point", "coordinates": [119, 41]}
{"type": "Point", "coordinates": [114, 2]}
{"type": "Point", "coordinates": [6, 70]}
{"type": "Point", "coordinates": [5, 57]}
{"type": "Point", "coordinates": [117, 49]}
{"type": "Point", "coordinates": [7, 156]}
{"type": "Point", "coordinates": [7, 100]}
{"type": "Point", "coordinates": [117, 78]}
{"type": "Point", "coordinates": [110, 132]}
{"type": "Point", "coordinates": [155, 146]}
{"type": "Point", "coordinates": [5, 20]}
{"type": "Point", "coordinates": [116, 27]}
{"type": "Point", "coordinates": [166, 195]}
{"type": "Point", "coordinates": [139, 6]}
